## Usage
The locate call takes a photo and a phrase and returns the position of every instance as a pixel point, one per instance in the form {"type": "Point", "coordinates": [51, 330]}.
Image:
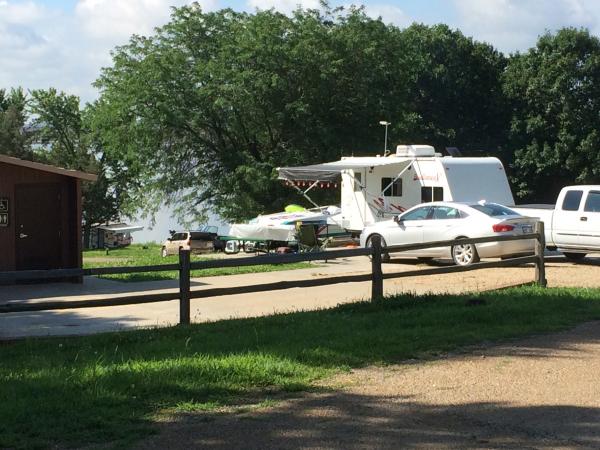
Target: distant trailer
{"type": "Point", "coordinates": [375, 188]}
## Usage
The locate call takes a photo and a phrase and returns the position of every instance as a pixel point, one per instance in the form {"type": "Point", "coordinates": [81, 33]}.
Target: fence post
{"type": "Point", "coordinates": [377, 280]}
{"type": "Point", "coordinates": [184, 287]}
{"type": "Point", "coordinates": [540, 246]}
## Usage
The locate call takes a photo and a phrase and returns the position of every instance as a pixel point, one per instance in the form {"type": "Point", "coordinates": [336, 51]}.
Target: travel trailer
{"type": "Point", "coordinates": [374, 188]}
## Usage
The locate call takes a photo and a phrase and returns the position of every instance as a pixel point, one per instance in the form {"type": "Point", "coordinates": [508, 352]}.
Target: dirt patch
{"type": "Point", "coordinates": [542, 392]}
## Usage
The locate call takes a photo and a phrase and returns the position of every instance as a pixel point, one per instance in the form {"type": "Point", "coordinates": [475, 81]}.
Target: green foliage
{"type": "Point", "coordinates": [14, 132]}
{"type": "Point", "coordinates": [109, 389]}
{"type": "Point", "coordinates": [64, 137]}
{"type": "Point", "coordinates": [207, 107]}
{"type": "Point", "coordinates": [554, 90]}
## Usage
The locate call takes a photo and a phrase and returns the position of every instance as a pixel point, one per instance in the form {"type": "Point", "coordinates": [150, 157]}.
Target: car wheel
{"type": "Point", "coordinates": [574, 256]}
{"type": "Point", "coordinates": [163, 252]}
{"type": "Point", "coordinates": [385, 256]}
{"type": "Point", "coordinates": [464, 254]}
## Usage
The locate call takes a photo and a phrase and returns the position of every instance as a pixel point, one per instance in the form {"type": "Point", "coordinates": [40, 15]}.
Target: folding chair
{"type": "Point", "coordinates": [306, 235]}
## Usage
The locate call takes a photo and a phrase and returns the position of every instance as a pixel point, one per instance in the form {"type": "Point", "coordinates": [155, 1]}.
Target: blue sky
{"type": "Point", "coordinates": [64, 43]}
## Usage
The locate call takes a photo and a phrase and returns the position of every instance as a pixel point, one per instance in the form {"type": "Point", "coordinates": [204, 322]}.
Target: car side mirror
{"type": "Point", "coordinates": [397, 219]}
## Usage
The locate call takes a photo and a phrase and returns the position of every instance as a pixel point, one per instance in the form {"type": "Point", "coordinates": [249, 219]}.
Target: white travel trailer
{"type": "Point", "coordinates": [374, 188]}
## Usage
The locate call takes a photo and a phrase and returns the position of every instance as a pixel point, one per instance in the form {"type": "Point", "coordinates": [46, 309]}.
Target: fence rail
{"type": "Point", "coordinates": [184, 267]}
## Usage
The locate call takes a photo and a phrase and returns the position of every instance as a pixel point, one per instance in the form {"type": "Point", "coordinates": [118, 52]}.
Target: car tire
{"type": "Point", "coordinates": [385, 256]}
{"type": "Point", "coordinates": [163, 252]}
{"type": "Point", "coordinates": [574, 256]}
{"type": "Point", "coordinates": [464, 254]}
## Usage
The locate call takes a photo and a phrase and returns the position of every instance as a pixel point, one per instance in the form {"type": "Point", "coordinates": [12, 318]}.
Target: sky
{"type": "Point", "coordinates": [64, 43]}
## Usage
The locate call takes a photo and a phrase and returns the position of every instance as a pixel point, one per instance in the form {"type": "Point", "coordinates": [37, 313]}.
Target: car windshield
{"type": "Point", "coordinates": [494, 210]}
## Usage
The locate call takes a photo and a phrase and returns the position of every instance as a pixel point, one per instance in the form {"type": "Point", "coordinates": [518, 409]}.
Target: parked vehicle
{"type": "Point", "coordinates": [440, 221]}
{"type": "Point", "coordinates": [374, 188]}
{"type": "Point", "coordinates": [199, 241]}
{"type": "Point", "coordinates": [573, 225]}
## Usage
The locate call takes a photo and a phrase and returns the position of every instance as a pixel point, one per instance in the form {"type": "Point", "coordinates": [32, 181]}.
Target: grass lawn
{"type": "Point", "coordinates": [111, 387]}
{"type": "Point", "coordinates": [149, 255]}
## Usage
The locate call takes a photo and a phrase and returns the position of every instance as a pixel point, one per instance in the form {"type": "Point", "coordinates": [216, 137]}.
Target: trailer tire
{"type": "Point", "coordinates": [385, 256]}
{"type": "Point", "coordinates": [574, 256]}
{"type": "Point", "coordinates": [464, 254]}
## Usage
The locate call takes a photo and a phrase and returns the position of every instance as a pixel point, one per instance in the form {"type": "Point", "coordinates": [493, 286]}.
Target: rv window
{"type": "Point", "coordinates": [592, 203]}
{"type": "Point", "coordinates": [432, 194]}
{"type": "Point", "coordinates": [395, 190]}
{"type": "Point", "coordinates": [572, 200]}
{"type": "Point", "coordinates": [357, 181]}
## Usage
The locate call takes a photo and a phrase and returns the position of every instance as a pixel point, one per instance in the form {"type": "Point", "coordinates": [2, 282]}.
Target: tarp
{"type": "Point", "coordinates": [331, 171]}
{"type": "Point", "coordinates": [284, 233]}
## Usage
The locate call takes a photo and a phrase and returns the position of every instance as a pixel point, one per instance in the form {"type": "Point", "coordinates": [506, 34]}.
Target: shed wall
{"type": "Point", "coordinates": [69, 204]}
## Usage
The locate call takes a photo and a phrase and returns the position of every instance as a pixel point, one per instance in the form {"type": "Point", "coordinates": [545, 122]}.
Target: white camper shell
{"type": "Point", "coordinates": [374, 188]}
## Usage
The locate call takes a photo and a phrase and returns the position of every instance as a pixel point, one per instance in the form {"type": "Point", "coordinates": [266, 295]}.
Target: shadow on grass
{"type": "Point", "coordinates": [110, 387]}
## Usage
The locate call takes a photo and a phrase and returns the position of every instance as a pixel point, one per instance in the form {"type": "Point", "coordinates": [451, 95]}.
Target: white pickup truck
{"type": "Point", "coordinates": [573, 224]}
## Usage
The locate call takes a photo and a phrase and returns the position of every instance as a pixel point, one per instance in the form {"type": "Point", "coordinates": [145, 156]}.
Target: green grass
{"type": "Point", "coordinates": [149, 255]}
{"type": "Point", "coordinates": [111, 387]}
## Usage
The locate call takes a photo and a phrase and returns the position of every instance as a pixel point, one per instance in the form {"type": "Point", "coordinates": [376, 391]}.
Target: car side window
{"type": "Point", "coordinates": [417, 214]}
{"type": "Point", "coordinates": [179, 236]}
{"type": "Point", "coordinates": [445, 212]}
{"type": "Point", "coordinates": [592, 203]}
{"type": "Point", "coordinates": [572, 200]}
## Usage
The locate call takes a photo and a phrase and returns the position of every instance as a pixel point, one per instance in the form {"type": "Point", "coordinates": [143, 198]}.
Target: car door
{"type": "Point", "coordinates": [589, 221]}
{"type": "Point", "coordinates": [439, 227]}
{"type": "Point", "coordinates": [567, 219]}
{"type": "Point", "coordinates": [409, 229]}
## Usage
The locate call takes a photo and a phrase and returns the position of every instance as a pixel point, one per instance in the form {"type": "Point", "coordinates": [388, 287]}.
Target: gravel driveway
{"type": "Point", "coordinates": [542, 393]}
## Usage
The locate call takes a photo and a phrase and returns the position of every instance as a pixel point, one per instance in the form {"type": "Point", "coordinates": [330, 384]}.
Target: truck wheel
{"type": "Point", "coordinates": [464, 254]}
{"type": "Point", "coordinates": [574, 256]}
{"type": "Point", "coordinates": [163, 252]}
{"type": "Point", "coordinates": [385, 256]}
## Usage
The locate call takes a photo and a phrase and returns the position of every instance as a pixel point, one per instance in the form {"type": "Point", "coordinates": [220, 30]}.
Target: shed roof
{"type": "Point", "coordinates": [47, 168]}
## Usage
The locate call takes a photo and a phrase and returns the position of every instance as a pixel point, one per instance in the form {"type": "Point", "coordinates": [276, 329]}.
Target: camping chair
{"type": "Point", "coordinates": [306, 235]}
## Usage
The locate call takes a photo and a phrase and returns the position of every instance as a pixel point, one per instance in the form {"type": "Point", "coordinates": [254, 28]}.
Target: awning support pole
{"type": "Point", "coordinates": [304, 193]}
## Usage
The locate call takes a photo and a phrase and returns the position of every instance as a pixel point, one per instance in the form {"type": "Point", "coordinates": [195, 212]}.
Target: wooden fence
{"type": "Point", "coordinates": [185, 294]}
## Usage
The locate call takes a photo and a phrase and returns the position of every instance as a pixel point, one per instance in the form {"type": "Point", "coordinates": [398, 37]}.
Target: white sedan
{"type": "Point", "coordinates": [441, 221]}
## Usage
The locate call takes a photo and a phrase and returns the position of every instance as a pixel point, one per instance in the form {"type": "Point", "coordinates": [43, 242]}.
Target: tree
{"type": "Point", "coordinates": [455, 93]}
{"type": "Point", "coordinates": [554, 90]}
{"type": "Point", "coordinates": [14, 132]}
{"type": "Point", "coordinates": [64, 138]}
{"type": "Point", "coordinates": [205, 109]}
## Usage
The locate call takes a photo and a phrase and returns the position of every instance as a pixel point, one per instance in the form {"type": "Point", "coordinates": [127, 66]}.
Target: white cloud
{"type": "Point", "coordinates": [389, 14]}
{"type": "Point", "coordinates": [512, 25]}
{"type": "Point", "coordinates": [43, 47]}
{"type": "Point", "coordinates": [284, 6]}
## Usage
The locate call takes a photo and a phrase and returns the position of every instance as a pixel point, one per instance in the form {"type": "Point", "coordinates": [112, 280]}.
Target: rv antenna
{"type": "Point", "coordinates": [386, 125]}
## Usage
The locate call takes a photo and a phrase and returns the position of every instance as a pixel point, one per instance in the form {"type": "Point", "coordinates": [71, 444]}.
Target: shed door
{"type": "Point", "coordinates": [38, 226]}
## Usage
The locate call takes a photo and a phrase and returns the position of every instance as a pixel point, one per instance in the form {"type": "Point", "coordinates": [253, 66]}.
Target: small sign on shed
{"type": "Point", "coordinates": [3, 212]}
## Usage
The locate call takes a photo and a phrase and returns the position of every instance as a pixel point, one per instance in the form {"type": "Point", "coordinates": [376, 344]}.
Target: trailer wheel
{"type": "Point", "coordinates": [385, 256]}
{"type": "Point", "coordinates": [574, 256]}
{"type": "Point", "coordinates": [464, 254]}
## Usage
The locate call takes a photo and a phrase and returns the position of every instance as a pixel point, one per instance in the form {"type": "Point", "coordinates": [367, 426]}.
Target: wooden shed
{"type": "Point", "coordinates": [40, 215]}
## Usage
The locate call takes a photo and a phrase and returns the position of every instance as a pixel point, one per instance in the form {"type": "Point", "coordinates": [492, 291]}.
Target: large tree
{"type": "Point", "coordinates": [554, 90]}
{"type": "Point", "coordinates": [64, 137]}
{"type": "Point", "coordinates": [15, 134]}
{"type": "Point", "coordinates": [208, 106]}
{"type": "Point", "coordinates": [454, 92]}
